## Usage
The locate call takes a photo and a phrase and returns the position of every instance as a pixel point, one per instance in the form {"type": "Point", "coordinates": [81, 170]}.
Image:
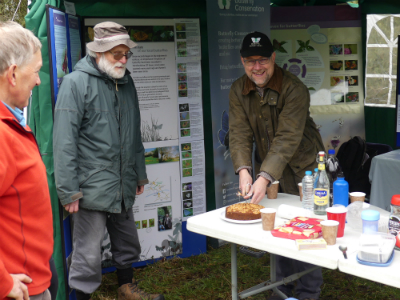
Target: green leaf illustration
{"type": "Point", "coordinates": [301, 43]}
{"type": "Point", "coordinates": [283, 43]}
{"type": "Point", "coordinates": [308, 42]}
{"type": "Point", "coordinates": [281, 50]}
{"type": "Point", "coordinates": [301, 49]}
{"type": "Point", "coordinates": [311, 89]}
{"type": "Point", "coordinates": [310, 48]}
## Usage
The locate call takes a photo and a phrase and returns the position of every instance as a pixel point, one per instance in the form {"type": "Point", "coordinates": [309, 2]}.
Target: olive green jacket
{"type": "Point", "coordinates": [98, 151]}
{"type": "Point", "coordinates": [279, 122]}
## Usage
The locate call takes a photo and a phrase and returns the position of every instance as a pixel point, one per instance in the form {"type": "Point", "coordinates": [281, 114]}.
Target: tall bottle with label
{"type": "Point", "coordinates": [321, 187]}
{"type": "Point", "coordinates": [332, 170]}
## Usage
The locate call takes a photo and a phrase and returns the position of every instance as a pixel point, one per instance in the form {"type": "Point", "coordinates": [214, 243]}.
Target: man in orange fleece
{"type": "Point", "coordinates": [26, 225]}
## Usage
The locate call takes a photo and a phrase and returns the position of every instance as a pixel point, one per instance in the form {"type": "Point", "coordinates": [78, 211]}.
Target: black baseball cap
{"type": "Point", "coordinates": [256, 44]}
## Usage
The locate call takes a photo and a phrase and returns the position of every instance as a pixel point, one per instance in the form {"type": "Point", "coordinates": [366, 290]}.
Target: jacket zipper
{"type": "Point", "coordinates": [120, 141]}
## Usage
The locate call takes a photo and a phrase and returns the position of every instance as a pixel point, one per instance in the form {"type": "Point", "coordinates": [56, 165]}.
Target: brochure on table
{"type": "Point", "coordinates": [165, 67]}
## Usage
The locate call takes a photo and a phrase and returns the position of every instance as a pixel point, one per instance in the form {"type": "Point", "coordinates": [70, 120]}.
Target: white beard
{"type": "Point", "coordinates": [111, 69]}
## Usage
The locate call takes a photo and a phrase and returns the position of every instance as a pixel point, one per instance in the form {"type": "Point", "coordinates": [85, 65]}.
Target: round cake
{"type": "Point", "coordinates": [243, 211]}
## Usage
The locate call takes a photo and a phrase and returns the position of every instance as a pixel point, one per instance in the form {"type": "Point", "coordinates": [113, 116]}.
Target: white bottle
{"type": "Point", "coordinates": [308, 191]}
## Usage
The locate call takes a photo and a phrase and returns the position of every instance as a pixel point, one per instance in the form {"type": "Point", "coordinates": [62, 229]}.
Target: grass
{"type": "Point", "coordinates": [208, 277]}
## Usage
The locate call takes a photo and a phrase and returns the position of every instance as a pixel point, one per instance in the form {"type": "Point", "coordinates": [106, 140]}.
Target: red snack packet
{"type": "Point", "coordinates": [299, 228]}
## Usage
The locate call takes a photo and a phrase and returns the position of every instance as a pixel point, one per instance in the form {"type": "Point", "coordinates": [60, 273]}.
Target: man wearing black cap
{"type": "Point", "coordinates": [270, 106]}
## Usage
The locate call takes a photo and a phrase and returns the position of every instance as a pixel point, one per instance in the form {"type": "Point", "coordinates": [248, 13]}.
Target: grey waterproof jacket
{"type": "Point", "coordinates": [98, 152]}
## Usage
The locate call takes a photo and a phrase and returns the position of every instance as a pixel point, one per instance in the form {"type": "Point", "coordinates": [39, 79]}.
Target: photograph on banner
{"type": "Point", "coordinates": [193, 197]}
{"type": "Point", "coordinates": [152, 66]}
{"type": "Point", "coordinates": [191, 118]}
{"type": "Point", "coordinates": [187, 32]}
{"type": "Point", "coordinates": [192, 158]}
{"type": "Point", "coordinates": [189, 78]}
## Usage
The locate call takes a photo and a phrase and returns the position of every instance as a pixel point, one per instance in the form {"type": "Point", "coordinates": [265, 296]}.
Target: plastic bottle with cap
{"type": "Point", "coordinates": [394, 219]}
{"type": "Point", "coordinates": [341, 191]}
{"type": "Point", "coordinates": [370, 219]}
{"type": "Point", "coordinates": [308, 191]}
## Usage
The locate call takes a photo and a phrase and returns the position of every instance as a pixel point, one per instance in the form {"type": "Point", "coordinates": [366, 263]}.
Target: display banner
{"type": "Point", "coordinates": [323, 48]}
{"type": "Point", "coordinates": [57, 32]}
{"type": "Point", "coordinates": [228, 22]}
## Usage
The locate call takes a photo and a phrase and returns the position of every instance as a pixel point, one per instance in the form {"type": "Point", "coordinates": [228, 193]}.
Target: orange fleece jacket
{"type": "Point", "coordinates": [26, 227]}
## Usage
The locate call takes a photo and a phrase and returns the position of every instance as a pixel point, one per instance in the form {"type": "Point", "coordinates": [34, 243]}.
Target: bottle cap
{"type": "Point", "coordinates": [331, 151]}
{"type": "Point", "coordinates": [316, 170]}
{"type": "Point", "coordinates": [308, 172]}
{"type": "Point", "coordinates": [395, 200]}
{"type": "Point", "coordinates": [370, 215]}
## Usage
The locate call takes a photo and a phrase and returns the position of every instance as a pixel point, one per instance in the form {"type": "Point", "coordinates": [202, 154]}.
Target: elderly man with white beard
{"type": "Point", "coordinates": [99, 162]}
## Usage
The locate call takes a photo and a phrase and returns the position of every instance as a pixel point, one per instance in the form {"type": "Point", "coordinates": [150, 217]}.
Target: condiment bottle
{"type": "Point", "coordinates": [394, 219]}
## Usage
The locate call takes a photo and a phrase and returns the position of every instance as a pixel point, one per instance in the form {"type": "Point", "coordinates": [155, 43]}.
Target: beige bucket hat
{"type": "Point", "coordinates": [107, 35]}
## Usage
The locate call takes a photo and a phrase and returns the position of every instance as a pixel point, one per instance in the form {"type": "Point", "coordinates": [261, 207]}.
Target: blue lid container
{"type": "Point", "coordinates": [331, 151]}
{"type": "Point", "coordinates": [370, 215]}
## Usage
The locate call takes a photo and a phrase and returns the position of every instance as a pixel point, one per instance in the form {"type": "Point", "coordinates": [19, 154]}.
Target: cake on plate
{"type": "Point", "coordinates": [243, 211]}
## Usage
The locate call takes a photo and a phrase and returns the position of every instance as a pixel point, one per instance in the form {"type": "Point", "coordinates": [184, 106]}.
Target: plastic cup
{"type": "Point", "coordinates": [300, 190]}
{"type": "Point", "coordinates": [338, 213]}
{"type": "Point", "coordinates": [272, 191]}
{"type": "Point", "coordinates": [329, 231]}
{"type": "Point", "coordinates": [268, 218]}
{"type": "Point", "coordinates": [357, 196]}
{"type": "Point", "coordinates": [370, 219]}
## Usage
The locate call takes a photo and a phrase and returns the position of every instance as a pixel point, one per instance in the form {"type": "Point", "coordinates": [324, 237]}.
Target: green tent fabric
{"type": "Point", "coordinates": [41, 122]}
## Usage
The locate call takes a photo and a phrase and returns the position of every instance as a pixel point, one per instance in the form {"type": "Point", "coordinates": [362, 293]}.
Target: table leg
{"type": "Point", "coordinates": [234, 271]}
{"type": "Point", "coordinates": [272, 264]}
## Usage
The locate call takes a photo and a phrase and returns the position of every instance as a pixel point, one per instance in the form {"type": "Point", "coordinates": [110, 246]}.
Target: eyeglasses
{"type": "Point", "coordinates": [261, 61]}
{"type": "Point", "coordinates": [119, 55]}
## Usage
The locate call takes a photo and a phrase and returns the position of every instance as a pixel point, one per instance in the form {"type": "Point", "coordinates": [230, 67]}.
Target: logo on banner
{"type": "Point", "coordinates": [224, 4]}
{"type": "Point", "coordinates": [256, 42]}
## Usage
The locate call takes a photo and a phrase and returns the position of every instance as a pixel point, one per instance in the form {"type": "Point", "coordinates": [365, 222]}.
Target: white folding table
{"type": "Point", "coordinates": [251, 235]}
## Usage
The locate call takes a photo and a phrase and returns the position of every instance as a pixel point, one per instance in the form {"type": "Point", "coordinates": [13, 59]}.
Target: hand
{"type": "Point", "coordinates": [139, 189]}
{"type": "Point", "coordinates": [19, 290]}
{"type": "Point", "coordinates": [259, 189]}
{"type": "Point", "coordinates": [245, 181]}
{"type": "Point", "coordinates": [72, 207]}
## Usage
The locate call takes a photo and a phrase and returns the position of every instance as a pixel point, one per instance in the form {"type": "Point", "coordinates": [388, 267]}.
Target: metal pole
{"type": "Point", "coordinates": [234, 271]}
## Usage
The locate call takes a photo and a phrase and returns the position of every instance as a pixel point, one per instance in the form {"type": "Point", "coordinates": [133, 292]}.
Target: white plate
{"type": "Point", "coordinates": [222, 216]}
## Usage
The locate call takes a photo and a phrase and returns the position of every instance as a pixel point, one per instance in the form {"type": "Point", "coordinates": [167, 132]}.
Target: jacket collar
{"type": "Point", "coordinates": [7, 116]}
{"type": "Point", "coordinates": [275, 83]}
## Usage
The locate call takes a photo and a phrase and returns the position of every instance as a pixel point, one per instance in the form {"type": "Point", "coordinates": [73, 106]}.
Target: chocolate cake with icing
{"type": "Point", "coordinates": [243, 211]}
